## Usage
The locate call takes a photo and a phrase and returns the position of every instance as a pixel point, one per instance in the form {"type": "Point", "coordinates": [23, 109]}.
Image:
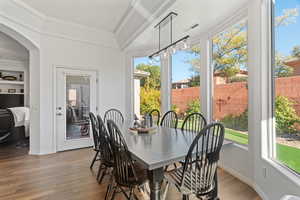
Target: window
{"type": "Point", "coordinates": [286, 80]}
{"type": "Point", "coordinates": [146, 85]}
{"type": "Point", "coordinates": [230, 85]}
{"type": "Point", "coordinates": [185, 97]}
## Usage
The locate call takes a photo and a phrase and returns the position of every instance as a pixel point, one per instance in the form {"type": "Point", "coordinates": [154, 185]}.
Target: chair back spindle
{"type": "Point", "coordinates": [104, 143]}
{"type": "Point", "coordinates": [201, 161]}
{"type": "Point", "coordinates": [154, 117]}
{"type": "Point", "coordinates": [115, 115]}
{"type": "Point", "coordinates": [169, 120]}
{"type": "Point", "coordinates": [123, 162]}
{"type": "Point", "coordinates": [95, 129]}
{"type": "Point", "coordinates": [194, 122]}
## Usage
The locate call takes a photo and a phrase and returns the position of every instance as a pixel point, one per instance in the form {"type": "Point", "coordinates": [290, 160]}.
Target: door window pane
{"type": "Point", "coordinates": [78, 107]}
{"type": "Point", "coordinates": [230, 81]}
{"type": "Point", "coordinates": [286, 73]}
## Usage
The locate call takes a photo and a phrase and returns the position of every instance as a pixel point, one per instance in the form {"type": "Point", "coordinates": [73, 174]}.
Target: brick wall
{"type": "Point", "coordinates": [232, 98]}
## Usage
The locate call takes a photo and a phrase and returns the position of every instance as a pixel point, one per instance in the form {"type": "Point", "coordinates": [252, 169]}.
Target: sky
{"type": "Point", "coordinates": [286, 37]}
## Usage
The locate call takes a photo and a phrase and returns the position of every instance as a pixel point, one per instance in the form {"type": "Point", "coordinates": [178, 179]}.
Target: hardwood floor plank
{"type": "Point", "coordinates": [66, 176]}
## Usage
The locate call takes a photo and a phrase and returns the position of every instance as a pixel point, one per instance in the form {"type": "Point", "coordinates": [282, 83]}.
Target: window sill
{"type": "Point", "coordinates": [285, 171]}
{"type": "Point", "coordinates": [232, 143]}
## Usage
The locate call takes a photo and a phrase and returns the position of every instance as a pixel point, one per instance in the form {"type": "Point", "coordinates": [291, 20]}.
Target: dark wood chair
{"type": "Point", "coordinates": [115, 115]}
{"type": "Point", "coordinates": [127, 173]}
{"type": "Point", "coordinates": [194, 122]}
{"type": "Point", "coordinates": [95, 131]}
{"type": "Point", "coordinates": [198, 175]}
{"type": "Point", "coordinates": [105, 151]}
{"type": "Point", "coordinates": [7, 124]}
{"type": "Point", "coordinates": [154, 117]}
{"type": "Point", "coordinates": [169, 120]}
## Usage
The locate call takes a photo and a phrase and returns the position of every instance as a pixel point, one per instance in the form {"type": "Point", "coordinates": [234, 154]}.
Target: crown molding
{"type": "Point", "coordinates": [162, 8]}
{"type": "Point", "coordinates": [44, 17]}
{"type": "Point", "coordinates": [125, 17]}
{"type": "Point", "coordinates": [29, 8]}
{"type": "Point", "coordinates": [41, 32]}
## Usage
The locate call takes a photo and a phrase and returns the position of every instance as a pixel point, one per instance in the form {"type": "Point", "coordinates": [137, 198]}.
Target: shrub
{"type": "Point", "coordinates": [193, 106]}
{"type": "Point", "coordinates": [237, 122]}
{"type": "Point", "coordinates": [285, 115]}
{"type": "Point", "coordinates": [238, 79]}
{"type": "Point", "coordinates": [150, 99]}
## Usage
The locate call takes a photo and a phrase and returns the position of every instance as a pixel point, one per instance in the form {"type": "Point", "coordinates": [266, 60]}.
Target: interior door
{"type": "Point", "coordinates": [75, 98]}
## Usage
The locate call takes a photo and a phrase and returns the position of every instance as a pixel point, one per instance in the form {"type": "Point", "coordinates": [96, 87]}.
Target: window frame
{"type": "Point", "coordinates": [272, 135]}
{"type": "Point", "coordinates": [234, 20]}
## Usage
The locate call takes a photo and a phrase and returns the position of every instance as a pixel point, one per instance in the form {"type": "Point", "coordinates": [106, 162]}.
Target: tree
{"type": "Point", "coordinates": [296, 51]}
{"type": "Point", "coordinates": [282, 70]}
{"type": "Point", "coordinates": [193, 107]}
{"type": "Point", "coordinates": [153, 81]}
{"type": "Point", "coordinates": [230, 48]}
{"type": "Point", "coordinates": [285, 115]}
{"type": "Point", "coordinates": [150, 99]}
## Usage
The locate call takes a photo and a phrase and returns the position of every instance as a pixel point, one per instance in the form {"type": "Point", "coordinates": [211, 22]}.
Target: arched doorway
{"type": "Point", "coordinates": [34, 84]}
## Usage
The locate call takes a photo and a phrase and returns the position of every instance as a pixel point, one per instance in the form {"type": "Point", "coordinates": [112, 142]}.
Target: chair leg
{"type": "Point", "coordinates": [103, 174]}
{"type": "Point", "coordinates": [108, 190]}
{"type": "Point", "coordinates": [99, 172]}
{"type": "Point", "coordinates": [113, 192]}
{"type": "Point", "coordinates": [94, 159]}
{"type": "Point", "coordinates": [185, 197]}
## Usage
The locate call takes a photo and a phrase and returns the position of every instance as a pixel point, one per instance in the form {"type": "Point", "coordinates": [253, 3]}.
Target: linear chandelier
{"type": "Point", "coordinates": [173, 46]}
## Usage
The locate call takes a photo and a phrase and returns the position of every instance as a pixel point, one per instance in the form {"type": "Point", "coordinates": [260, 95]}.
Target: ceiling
{"type": "Point", "coordinates": [99, 14]}
{"type": "Point", "coordinates": [206, 13]}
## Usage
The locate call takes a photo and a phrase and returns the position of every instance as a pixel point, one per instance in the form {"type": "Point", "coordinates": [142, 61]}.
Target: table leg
{"type": "Point", "coordinates": [156, 177]}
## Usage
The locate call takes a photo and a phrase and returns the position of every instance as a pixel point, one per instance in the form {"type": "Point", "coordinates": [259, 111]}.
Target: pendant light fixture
{"type": "Point", "coordinates": [173, 46]}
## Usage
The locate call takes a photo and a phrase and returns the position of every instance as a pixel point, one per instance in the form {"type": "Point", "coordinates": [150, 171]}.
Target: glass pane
{"type": "Point", "coordinates": [146, 85]}
{"type": "Point", "coordinates": [287, 81]}
{"type": "Point", "coordinates": [185, 97]}
{"type": "Point", "coordinates": [78, 107]}
{"type": "Point", "coordinates": [230, 79]}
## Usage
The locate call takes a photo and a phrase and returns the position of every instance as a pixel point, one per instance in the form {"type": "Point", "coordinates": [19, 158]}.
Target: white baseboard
{"type": "Point", "coordinates": [246, 180]}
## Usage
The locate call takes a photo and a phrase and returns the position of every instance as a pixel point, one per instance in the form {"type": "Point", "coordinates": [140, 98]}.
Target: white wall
{"type": "Point", "coordinates": [57, 43]}
{"type": "Point", "coordinates": [251, 164]}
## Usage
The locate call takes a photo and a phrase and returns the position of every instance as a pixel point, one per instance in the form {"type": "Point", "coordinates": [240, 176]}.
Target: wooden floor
{"type": "Point", "coordinates": [66, 176]}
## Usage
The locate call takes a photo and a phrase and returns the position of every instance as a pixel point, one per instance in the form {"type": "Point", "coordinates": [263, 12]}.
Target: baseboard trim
{"type": "Point", "coordinates": [246, 180]}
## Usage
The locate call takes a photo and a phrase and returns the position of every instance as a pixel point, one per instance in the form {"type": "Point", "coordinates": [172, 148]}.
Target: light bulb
{"type": "Point", "coordinates": [165, 54]}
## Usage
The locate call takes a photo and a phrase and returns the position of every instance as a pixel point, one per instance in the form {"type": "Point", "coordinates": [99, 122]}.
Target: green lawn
{"type": "Point", "coordinates": [290, 156]}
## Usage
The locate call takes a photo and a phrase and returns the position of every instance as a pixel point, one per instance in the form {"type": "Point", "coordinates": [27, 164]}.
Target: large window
{"type": "Point", "coordinates": [230, 81]}
{"type": "Point", "coordinates": [286, 73]}
{"type": "Point", "coordinates": [185, 97]}
{"type": "Point", "coordinates": [146, 85]}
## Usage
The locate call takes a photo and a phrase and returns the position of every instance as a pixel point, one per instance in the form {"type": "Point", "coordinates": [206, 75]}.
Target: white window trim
{"type": "Point", "coordinates": [269, 150]}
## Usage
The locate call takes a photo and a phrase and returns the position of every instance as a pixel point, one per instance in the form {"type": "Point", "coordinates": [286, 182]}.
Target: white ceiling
{"type": "Point", "coordinates": [206, 13]}
{"type": "Point", "coordinates": [100, 14]}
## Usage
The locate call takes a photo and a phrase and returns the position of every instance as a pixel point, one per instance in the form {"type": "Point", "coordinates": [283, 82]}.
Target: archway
{"type": "Point", "coordinates": [34, 85]}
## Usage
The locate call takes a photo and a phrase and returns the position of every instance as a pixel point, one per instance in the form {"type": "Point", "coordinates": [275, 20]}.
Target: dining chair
{"type": "Point", "coordinates": [115, 115]}
{"type": "Point", "coordinates": [127, 173]}
{"type": "Point", "coordinates": [7, 124]}
{"type": "Point", "coordinates": [169, 120]}
{"type": "Point", "coordinates": [198, 175]}
{"type": "Point", "coordinates": [154, 117]}
{"type": "Point", "coordinates": [105, 151]}
{"type": "Point", "coordinates": [95, 131]}
{"type": "Point", "coordinates": [194, 122]}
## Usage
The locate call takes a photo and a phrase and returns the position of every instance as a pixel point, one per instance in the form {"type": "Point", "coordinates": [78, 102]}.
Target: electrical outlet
{"type": "Point", "coordinates": [265, 172]}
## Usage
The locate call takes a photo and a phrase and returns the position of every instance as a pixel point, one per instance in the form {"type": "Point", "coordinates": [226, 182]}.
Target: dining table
{"type": "Point", "coordinates": [155, 150]}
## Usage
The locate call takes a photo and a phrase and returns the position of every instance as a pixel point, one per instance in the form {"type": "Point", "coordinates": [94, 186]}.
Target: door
{"type": "Point", "coordinates": [75, 98]}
